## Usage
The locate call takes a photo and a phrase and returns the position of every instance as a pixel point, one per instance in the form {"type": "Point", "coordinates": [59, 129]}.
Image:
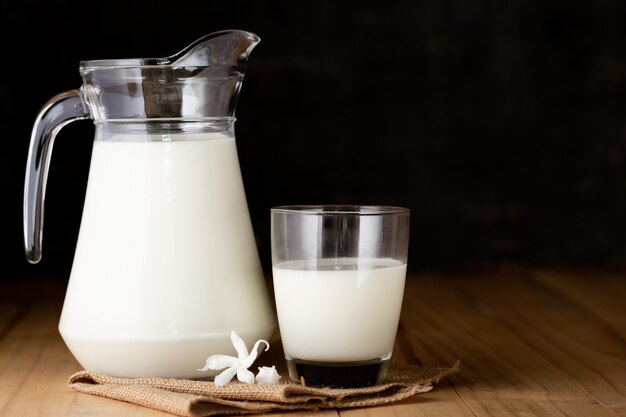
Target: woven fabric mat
{"type": "Point", "coordinates": [199, 397]}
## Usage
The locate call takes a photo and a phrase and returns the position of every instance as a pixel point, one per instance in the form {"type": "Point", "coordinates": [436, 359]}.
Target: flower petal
{"type": "Point", "coordinates": [244, 375]}
{"type": "Point", "coordinates": [267, 375]}
{"type": "Point", "coordinates": [225, 377]}
{"type": "Point", "coordinates": [217, 362]}
{"type": "Point", "coordinates": [239, 344]}
{"type": "Point", "coordinates": [247, 362]}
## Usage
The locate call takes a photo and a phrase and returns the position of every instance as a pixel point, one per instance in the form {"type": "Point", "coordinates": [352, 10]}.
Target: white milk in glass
{"type": "Point", "coordinates": [340, 310]}
{"type": "Point", "coordinates": [132, 301]}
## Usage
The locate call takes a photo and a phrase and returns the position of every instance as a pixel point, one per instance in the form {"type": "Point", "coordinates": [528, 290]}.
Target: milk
{"type": "Point", "coordinates": [166, 263]}
{"type": "Point", "coordinates": [347, 310]}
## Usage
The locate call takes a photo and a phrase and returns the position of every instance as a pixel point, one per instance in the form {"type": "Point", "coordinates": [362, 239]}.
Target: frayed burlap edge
{"type": "Point", "coordinates": [202, 398]}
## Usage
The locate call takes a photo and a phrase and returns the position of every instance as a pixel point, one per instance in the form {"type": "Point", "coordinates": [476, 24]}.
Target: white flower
{"type": "Point", "coordinates": [234, 365]}
{"type": "Point", "coordinates": [267, 375]}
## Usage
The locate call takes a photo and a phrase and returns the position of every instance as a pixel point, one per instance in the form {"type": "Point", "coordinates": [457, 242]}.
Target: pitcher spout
{"type": "Point", "coordinates": [226, 47]}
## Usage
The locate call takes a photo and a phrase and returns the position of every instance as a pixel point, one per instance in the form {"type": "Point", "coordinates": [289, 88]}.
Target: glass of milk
{"type": "Point", "coordinates": [338, 273]}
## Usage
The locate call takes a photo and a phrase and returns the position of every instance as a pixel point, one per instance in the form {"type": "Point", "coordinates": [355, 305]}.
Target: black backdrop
{"type": "Point", "coordinates": [501, 125]}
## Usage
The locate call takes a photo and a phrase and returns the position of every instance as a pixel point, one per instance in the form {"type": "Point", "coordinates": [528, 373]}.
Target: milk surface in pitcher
{"type": "Point", "coordinates": [181, 278]}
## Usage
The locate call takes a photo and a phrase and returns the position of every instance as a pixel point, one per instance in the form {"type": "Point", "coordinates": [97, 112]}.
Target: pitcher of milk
{"type": "Point", "coordinates": [166, 263]}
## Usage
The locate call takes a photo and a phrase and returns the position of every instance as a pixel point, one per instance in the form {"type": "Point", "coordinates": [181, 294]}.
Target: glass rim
{"type": "Point", "coordinates": [339, 209]}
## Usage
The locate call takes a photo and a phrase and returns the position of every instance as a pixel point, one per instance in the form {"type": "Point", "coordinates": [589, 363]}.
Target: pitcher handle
{"type": "Point", "coordinates": [56, 113]}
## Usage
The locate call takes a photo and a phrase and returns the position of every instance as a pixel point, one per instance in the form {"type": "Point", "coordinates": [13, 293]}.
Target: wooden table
{"type": "Point", "coordinates": [531, 343]}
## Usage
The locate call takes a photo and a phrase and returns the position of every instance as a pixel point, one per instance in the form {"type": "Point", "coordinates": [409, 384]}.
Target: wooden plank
{"type": "Point", "coordinates": [601, 293]}
{"type": "Point", "coordinates": [9, 315]}
{"type": "Point", "coordinates": [497, 326]}
{"type": "Point", "coordinates": [35, 365]}
{"type": "Point", "coordinates": [596, 331]}
{"type": "Point", "coordinates": [441, 401]}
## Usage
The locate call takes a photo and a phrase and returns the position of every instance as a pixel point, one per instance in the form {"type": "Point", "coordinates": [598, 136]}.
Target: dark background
{"type": "Point", "coordinates": [501, 125]}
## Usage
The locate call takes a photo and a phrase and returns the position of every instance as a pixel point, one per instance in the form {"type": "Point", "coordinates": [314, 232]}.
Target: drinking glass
{"type": "Point", "coordinates": [338, 275]}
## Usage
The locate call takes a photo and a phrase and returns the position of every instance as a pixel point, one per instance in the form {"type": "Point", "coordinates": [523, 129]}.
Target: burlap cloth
{"type": "Point", "coordinates": [188, 397]}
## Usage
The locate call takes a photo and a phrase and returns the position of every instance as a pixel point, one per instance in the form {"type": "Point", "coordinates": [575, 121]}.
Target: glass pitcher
{"type": "Point", "coordinates": [166, 263]}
